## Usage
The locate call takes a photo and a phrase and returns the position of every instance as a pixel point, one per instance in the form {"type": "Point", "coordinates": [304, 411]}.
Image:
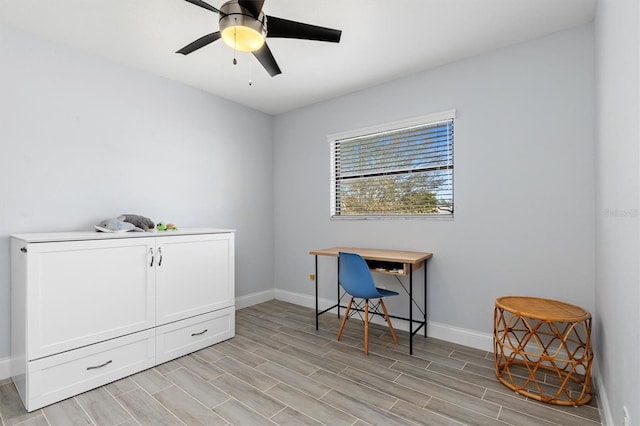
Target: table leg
{"type": "Point", "coordinates": [425, 298]}
{"type": "Point", "coordinates": [338, 287]}
{"type": "Point", "coordinates": [316, 277]}
{"type": "Point", "coordinates": [410, 309]}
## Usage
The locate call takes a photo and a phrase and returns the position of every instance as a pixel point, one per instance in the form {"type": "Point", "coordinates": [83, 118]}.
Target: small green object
{"type": "Point", "coordinates": [161, 226]}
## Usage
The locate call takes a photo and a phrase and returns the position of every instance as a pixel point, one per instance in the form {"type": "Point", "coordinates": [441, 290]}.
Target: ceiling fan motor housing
{"type": "Point", "coordinates": [240, 29]}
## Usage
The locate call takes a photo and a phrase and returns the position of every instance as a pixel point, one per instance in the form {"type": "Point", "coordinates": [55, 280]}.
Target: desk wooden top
{"type": "Point", "coordinates": [400, 256]}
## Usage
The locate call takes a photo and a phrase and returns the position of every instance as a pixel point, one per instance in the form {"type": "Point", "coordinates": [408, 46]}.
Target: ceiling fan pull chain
{"type": "Point", "coordinates": [250, 73]}
{"type": "Point", "coordinates": [235, 42]}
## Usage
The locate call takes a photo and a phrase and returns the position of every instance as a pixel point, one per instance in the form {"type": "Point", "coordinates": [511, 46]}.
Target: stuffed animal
{"type": "Point", "coordinates": [114, 225]}
{"type": "Point", "coordinates": [142, 223]}
{"type": "Point", "coordinates": [163, 226]}
{"type": "Point", "coordinates": [125, 223]}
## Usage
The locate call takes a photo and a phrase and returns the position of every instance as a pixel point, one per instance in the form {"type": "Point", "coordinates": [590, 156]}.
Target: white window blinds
{"type": "Point", "coordinates": [406, 171]}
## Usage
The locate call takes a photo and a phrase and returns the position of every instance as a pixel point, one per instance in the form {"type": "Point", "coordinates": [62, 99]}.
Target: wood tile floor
{"type": "Point", "coordinates": [280, 370]}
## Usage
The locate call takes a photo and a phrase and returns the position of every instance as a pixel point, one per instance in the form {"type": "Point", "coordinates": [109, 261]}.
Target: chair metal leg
{"type": "Point", "coordinates": [386, 316]}
{"type": "Point", "coordinates": [344, 319]}
{"type": "Point", "coordinates": [366, 327]}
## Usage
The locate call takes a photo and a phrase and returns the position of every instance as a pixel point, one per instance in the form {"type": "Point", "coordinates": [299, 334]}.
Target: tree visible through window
{"type": "Point", "coordinates": [404, 171]}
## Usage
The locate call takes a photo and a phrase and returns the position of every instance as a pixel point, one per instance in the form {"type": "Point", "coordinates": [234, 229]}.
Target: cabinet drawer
{"type": "Point", "coordinates": [183, 337]}
{"type": "Point", "coordinates": [60, 376]}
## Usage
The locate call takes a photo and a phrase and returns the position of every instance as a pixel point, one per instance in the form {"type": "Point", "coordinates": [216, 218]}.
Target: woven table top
{"type": "Point", "coordinates": [544, 309]}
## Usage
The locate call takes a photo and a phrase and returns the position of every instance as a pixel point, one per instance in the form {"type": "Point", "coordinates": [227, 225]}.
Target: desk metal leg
{"type": "Point", "coordinates": [316, 277]}
{"type": "Point", "coordinates": [425, 298]}
{"type": "Point", "coordinates": [338, 288]}
{"type": "Point", "coordinates": [410, 309]}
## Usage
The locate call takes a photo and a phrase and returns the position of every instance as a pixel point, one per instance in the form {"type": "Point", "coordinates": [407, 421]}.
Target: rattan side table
{"type": "Point", "coordinates": [542, 349]}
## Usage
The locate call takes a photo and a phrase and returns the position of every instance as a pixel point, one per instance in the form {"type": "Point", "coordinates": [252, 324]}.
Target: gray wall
{"type": "Point", "coordinates": [617, 205]}
{"type": "Point", "coordinates": [524, 173]}
{"type": "Point", "coordinates": [84, 139]}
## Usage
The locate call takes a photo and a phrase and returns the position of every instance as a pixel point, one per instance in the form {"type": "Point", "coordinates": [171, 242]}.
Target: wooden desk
{"type": "Point", "coordinates": [394, 262]}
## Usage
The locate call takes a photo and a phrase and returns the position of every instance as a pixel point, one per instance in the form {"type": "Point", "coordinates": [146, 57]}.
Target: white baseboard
{"type": "Point", "coordinates": [601, 395]}
{"type": "Point", "coordinates": [5, 368]}
{"type": "Point", "coordinates": [254, 298]}
{"type": "Point", "coordinates": [302, 299]}
{"type": "Point", "coordinates": [461, 336]}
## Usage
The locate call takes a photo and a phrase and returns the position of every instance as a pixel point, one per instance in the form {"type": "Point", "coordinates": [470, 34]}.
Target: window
{"type": "Point", "coordinates": [401, 169]}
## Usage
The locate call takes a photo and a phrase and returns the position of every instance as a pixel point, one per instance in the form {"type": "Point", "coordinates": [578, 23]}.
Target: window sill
{"type": "Point", "coordinates": [437, 217]}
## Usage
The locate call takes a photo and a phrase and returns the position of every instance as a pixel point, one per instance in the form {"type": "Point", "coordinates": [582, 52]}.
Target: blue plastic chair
{"type": "Point", "coordinates": [355, 278]}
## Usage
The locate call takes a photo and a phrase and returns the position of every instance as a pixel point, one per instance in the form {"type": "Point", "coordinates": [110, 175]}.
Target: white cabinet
{"type": "Point", "coordinates": [90, 308]}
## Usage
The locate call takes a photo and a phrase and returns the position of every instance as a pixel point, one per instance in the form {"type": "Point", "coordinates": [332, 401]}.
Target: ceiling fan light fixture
{"type": "Point", "coordinates": [239, 29]}
{"type": "Point", "coordinates": [244, 39]}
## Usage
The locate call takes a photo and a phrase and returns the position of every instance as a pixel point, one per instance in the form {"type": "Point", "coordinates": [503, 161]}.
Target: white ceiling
{"type": "Point", "coordinates": [382, 40]}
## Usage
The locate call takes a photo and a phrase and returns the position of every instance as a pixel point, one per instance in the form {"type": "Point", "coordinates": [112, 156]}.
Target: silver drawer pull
{"type": "Point", "coordinates": [99, 366]}
{"type": "Point", "coordinates": [199, 334]}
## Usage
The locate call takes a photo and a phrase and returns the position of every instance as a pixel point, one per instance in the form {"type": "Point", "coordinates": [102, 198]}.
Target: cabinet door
{"type": "Point", "coordinates": [195, 276]}
{"type": "Point", "coordinates": [83, 292]}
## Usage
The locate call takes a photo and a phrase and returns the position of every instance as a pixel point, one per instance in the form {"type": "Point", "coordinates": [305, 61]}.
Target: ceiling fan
{"type": "Point", "coordinates": [244, 27]}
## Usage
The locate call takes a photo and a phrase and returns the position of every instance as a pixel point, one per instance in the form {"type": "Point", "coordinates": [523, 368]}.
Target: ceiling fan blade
{"type": "Point", "coordinates": [264, 56]}
{"type": "Point", "coordinates": [201, 42]}
{"type": "Point", "coordinates": [283, 28]}
{"type": "Point", "coordinates": [253, 6]}
{"type": "Point", "coordinates": [204, 5]}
